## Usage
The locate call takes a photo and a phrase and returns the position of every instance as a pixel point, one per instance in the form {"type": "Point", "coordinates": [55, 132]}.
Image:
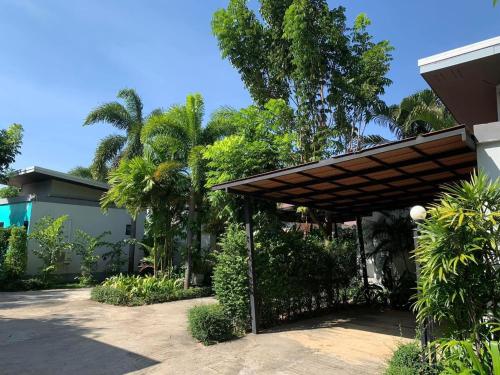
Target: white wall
{"type": "Point", "coordinates": [488, 148]}
{"type": "Point", "coordinates": [89, 219]}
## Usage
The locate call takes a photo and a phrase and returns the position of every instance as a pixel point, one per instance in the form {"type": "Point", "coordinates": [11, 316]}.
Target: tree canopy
{"type": "Point", "coordinates": [11, 140]}
{"type": "Point", "coordinates": [303, 52]}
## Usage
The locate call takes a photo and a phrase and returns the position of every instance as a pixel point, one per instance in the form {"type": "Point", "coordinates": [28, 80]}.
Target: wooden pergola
{"type": "Point", "coordinates": [391, 176]}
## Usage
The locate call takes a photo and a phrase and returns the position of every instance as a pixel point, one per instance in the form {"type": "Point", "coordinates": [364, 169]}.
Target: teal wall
{"type": "Point", "coordinates": [15, 213]}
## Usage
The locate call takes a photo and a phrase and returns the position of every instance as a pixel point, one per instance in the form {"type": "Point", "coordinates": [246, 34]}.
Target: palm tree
{"type": "Point", "coordinates": [83, 172]}
{"type": "Point", "coordinates": [419, 113]}
{"type": "Point", "coordinates": [128, 118]}
{"type": "Point", "coordinates": [143, 184]}
{"type": "Point", "coordinates": [181, 134]}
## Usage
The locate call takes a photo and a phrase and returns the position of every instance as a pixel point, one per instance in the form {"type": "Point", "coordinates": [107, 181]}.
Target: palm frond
{"type": "Point", "coordinates": [108, 149]}
{"type": "Point", "coordinates": [112, 113]}
{"type": "Point", "coordinates": [195, 111]}
{"type": "Point", "coordinates": [83, 172]}
{"type": "Point", "coordinates": [133, 103]}
{"type": "Point", "coordinates": [221, 124]}
{"type": "Point", "coordinates": [373, 140]}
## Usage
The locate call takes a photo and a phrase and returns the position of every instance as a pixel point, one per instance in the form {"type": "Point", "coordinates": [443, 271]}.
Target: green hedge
{"type": "Point", "coordinates": [114, 296]}
{"type": "Point", "coordinates": [4, 243]}
{"type": "Point", "coordinates": [406, 360]}
{"type": "Point", "coordinates": [296, 276]}
{"type": "Point", "coordinates": [210, 324]}
{"type": "Point", "coordinates": [16, 257]}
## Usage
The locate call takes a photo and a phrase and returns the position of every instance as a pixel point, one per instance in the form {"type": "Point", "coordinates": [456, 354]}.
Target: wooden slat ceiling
{"type": "Point", "coordinates": [395, 175]}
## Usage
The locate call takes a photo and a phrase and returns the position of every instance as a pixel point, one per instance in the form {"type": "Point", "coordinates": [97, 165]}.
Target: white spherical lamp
{"type": "Point", "coordinates": [418, 213]}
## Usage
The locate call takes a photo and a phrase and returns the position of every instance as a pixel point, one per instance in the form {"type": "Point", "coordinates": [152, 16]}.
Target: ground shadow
{"type": "Point", "coordinates": [38, 298]}
{"type": "Point", "coordinates": [383, 321]}
{"type": "Point", "coordinates": [59, 346]}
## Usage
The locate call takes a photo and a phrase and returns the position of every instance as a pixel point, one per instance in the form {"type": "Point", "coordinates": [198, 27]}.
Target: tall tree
{"type": "Point", "coordinates": [303, 52]}
{"type": "Point", "coordinates": [128, 118]}
{"type": "Point", "coordinates": [181, 133]}
{"type": "Point", "coordinates": [419, 113]}
{"type": "Point", "coordinates": [11, 140]}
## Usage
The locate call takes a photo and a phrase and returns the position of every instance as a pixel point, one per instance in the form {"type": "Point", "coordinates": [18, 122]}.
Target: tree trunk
{"type": "Point", "coordinates": [131, 246]}
{"type": "Point", "coordinates": [189, 240]}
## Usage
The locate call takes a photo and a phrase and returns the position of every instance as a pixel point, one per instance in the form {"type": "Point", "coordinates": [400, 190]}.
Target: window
{"type": "Point", "coordinates": [2, 224]}
{"type": "Point", "coordinates": [26, 224]}
{"type": "Point", "coordinates": [128, 229]}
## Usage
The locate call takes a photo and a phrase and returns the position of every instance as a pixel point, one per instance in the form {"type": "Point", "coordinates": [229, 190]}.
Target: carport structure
{"type": "Point", "coordinates": [391, 176]}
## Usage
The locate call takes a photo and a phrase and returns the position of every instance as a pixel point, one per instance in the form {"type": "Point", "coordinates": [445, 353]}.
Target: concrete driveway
{"type": "Point", "coordinates": [63, 332]}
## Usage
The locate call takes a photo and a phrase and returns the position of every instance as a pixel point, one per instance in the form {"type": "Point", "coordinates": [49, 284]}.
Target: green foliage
{"type": "Point", "coordinates": [230, 277]}
{"type": "Point", "coordinates": [127, 117]}
{"type": "Point", "coordinates": [296, 276]}
{"type": "Point", "coordinates": [85, 246]}
{"type": "Point", "coordinates": [52, 246]}
{"type": "Point", "coordinates": [461, 357]}
{"type": "Point", "coordinates": [114, 259]}
{"type": "Point", "coordinates": [304, 53]}
{"type": "Point", "coordinates": [406, 360]}
{"type": "Point", "coordinates": [180, 134]}
{"type": "Point", "coordinates": [458, 254]}
{"type": "Point", "coordinates": [143, 183]}
{"type": "Point", "coordinates": [4, 243]}
{"type": "Point", "coordinates": [9, 192]}
{"type": "Point", "coordinates": [264, 141]}
{"type": "Point", "coordinates": [136, 290]}
{"type": "Point", "coordinates": [15, 285]}
{"type": "Point", "coordinates": [83, 172]}
{"type": "Point", "coordinates": [16, 257]}
{"type": "Point", "coordinates": [210, 324]}
{"type": "Point", "coordinates": [392, 236]}
{"type": "Point", "coordinates": [418, 113]}
{"type": "Point", "coordinates": [11, 140]}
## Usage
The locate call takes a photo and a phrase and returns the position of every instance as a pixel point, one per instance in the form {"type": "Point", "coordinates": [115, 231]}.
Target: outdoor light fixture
{"type": "Point", "coordinates": [418, 213]}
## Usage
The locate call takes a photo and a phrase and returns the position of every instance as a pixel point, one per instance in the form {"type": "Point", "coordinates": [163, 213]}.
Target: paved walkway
{"type": "Point", "coordinates": [63, 332]}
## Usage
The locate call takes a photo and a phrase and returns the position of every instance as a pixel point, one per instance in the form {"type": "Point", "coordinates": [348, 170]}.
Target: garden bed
{"type": "Point", "coordinates": [136, 291]}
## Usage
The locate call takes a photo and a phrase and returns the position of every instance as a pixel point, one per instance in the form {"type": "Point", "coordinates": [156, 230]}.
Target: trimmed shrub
{"type": "Point", "coordinates": [210, 324]}
{"type": "Point", "coordinates": [16, 257]}
{"type": "Point", "coordinates": [4, 243]}
{"type": "Point", "coordinates": [406, 360]}
{"type": "Point", "coordinates": [296, 276]}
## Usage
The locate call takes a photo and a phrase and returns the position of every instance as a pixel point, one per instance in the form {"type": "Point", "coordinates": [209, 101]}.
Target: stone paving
{"type": "Point", "coordinates": [63, 332]}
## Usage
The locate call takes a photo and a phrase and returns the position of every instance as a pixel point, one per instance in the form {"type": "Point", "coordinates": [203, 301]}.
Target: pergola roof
{"type": "Point", "coordinates": [390, 176]}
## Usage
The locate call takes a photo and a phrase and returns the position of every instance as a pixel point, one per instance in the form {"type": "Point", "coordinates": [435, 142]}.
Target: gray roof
{"type": "Point", "coordinates": [35, 174]}
{"type": "Point", "coordinates": [466, 80]}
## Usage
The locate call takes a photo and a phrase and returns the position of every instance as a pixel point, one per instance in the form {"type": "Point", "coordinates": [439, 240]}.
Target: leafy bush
{"type": "Point", "coordinates": [406, 360]}
{"type": "Point", "coordinates": [295, 275]}
{"type": "Point", "coordinates": [460, 357]}
{"type": "Point", "coordinates": [210, 324]}
{"type": "Point", "coordinates": [136, 290]}
{"type": "Point", "coordinates": [458, 254]}
{"type": "Point", "coordinates": [114, 259]}
{"type": "Point", "coordinates": [85, 246]}
{"type": "Point", "coordinates": [16, 257]}
{"type": "Point", "coordinates": [52, 246]}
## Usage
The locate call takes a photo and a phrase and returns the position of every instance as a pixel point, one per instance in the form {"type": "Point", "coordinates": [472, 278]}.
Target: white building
{"type": "Point", "coordinates": [45, 192]}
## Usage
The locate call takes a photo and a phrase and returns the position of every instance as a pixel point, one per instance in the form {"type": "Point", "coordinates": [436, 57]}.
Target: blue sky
{"type": "Point", "coordinates": [61, 58]}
